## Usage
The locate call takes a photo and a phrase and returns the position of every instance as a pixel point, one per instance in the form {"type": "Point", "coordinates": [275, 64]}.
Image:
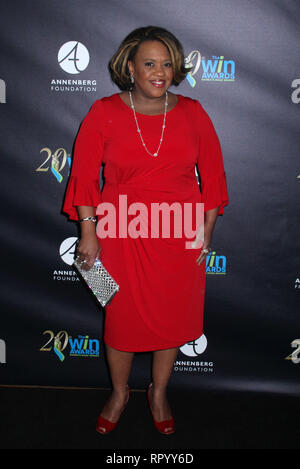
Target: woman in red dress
{"type": "Point", "coordinates": [149, 141]}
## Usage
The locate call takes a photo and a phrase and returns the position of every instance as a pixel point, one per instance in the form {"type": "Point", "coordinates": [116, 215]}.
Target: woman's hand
{"type": "Point", "coordinates": [206, 245]}
{"type": "Point", "coordinates": [88, 250]}
{"type": "Point", "coordinates": [210, 218]}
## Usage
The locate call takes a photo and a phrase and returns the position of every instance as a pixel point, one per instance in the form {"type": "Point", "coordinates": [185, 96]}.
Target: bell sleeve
{"type": "Point", "coordinates": [210, 164]}
{"type": "Point", "coordinates": [83, 187]}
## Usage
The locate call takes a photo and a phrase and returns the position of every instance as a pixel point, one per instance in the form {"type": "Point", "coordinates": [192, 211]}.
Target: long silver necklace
{"type": "Point", "coordinates": [139, 130]}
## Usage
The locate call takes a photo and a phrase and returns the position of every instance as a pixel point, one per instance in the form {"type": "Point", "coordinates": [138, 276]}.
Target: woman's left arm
{"type": "Point", "coordinates": [212, 176]}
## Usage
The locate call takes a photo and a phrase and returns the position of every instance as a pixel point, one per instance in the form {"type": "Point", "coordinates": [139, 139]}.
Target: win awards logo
{"type": "Point", "coordinates": [214, 68]}
{"type": "Point", "coordinates": [218, 69]}
{"type": "Point", "coordinates": [54, 163]}
{"type": "Point", "coordinates": [295, 355]}
{"type": "Point", "coordinates": [215, 264]}
{"type": "Point", "coordinates": [62, 343]}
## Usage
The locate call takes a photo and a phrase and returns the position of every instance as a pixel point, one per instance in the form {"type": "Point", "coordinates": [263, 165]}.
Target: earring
{"type": "Point", "coordinates": [132, 82]}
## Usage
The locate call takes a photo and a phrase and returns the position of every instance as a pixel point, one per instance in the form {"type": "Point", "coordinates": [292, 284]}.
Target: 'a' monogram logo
{"type": "Point", "coordinates": [73, 57]}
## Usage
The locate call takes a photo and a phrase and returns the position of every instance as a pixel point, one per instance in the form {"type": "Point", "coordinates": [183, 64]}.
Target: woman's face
{"type": "Point", "coordinates": [151, 69]}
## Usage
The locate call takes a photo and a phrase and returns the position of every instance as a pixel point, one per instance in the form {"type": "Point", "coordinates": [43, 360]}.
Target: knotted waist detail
{"type": "Point", "coordinates": [166, 187]}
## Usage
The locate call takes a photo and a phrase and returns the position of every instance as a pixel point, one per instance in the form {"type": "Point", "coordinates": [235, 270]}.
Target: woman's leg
{"type": "Point", "coordinates": [119, 366]}
{"type": "Point", "coordinates": [163, 361]}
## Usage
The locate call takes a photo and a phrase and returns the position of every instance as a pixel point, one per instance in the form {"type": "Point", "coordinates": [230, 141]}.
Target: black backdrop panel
{"type": "Point", "coordinates": [247, 77]}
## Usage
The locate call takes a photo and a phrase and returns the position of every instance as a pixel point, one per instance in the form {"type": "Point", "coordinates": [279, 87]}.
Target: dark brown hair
{"type": "Point", "coordinates": [118, 64]}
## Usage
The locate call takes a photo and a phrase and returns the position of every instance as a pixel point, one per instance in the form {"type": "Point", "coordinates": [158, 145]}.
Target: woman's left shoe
{"type": "Point", "coordinates": [105, 426]}
{"type": "Point", "coordinates": [167, 427]}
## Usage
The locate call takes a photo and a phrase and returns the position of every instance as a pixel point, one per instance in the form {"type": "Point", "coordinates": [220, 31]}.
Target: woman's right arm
{"type": "Point", "coordinates": [83, 193]}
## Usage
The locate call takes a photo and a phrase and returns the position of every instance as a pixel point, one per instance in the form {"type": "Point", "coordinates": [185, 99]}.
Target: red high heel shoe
{"type": "Point", "coordinates": [167, 427]}
{"type": "Point", "coordinates": [105, 426]}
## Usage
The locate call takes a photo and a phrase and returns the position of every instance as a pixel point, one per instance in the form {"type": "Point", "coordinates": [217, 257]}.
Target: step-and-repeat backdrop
{"type": "Point", "coordinates": [246, 74]}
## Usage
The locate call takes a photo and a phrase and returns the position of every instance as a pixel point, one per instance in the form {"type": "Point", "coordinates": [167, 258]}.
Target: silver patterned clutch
{"type": "Point", "coordinates": [99, 281]}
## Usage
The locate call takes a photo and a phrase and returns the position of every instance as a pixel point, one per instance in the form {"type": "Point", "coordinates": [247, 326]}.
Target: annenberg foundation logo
{"type": "Point", "coordinates": [66, 251]}
{"type": "Point", "coordinates": [193, 349]}
{"type": "Point", "coordinates": [215, 68]}
{"type": "Point", "coordinates": [73, 58]}
{"type": "Point", "coordinates": [2, 91]}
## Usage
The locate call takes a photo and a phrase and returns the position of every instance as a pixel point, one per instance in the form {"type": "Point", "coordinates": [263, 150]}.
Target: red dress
{"type": "Point", "coordinates": [161, 297]}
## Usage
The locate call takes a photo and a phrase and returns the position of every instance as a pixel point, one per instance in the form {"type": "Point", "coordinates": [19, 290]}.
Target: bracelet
{"type": "Point", "coordinates": [94, 219]}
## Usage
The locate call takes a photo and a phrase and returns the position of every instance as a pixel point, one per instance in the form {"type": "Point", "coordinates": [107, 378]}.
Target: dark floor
{"type": "Point", "coordinates": [44, 418]}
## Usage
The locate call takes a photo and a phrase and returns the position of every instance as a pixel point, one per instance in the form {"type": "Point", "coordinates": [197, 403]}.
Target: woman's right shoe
{"type": "Point", "coordinates": [105, 426]}
{"type": "Point", "coordinates": [167, 427]}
